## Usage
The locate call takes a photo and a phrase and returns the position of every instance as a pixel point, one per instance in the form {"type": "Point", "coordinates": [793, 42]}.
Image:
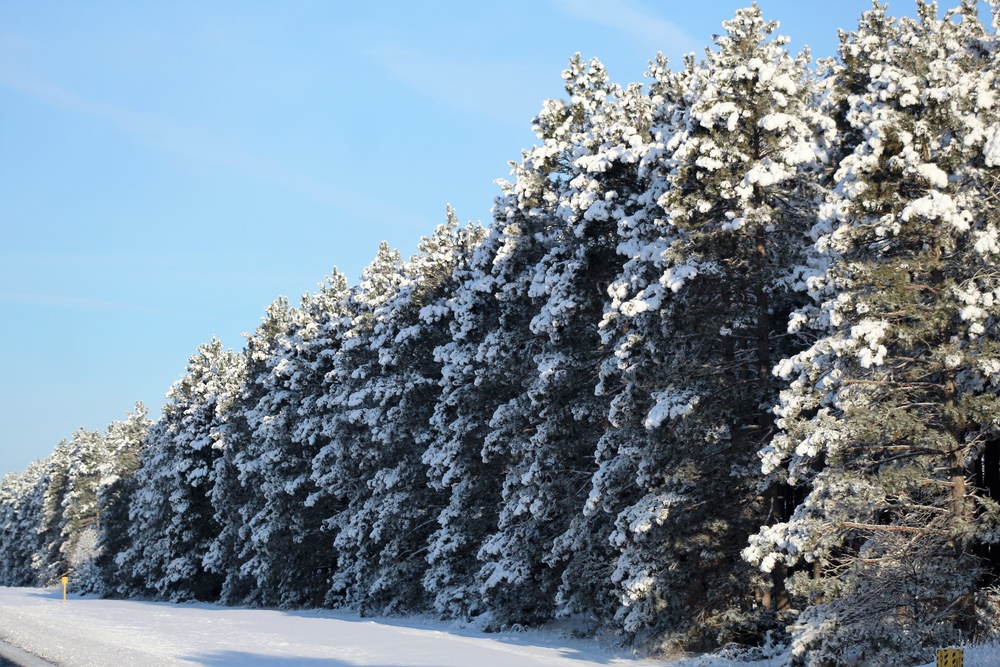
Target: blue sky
{"type": "Point", "coordinates": [167, 169]}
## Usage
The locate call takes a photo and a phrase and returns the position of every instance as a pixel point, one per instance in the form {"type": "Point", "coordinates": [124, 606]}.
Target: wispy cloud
{"type": "Point", "coordinates": [59, 301]}
{"type": "Point", "coordinates": [171, 312]}
{"type": "Point", "coordinates": [499, 90]}
{"type": "Point", "coordinates": [160, 132]}
{"type": "Point", "coordinates": [633, 20]}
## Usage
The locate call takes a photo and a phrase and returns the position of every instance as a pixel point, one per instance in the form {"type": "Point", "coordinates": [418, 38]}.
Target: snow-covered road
{"type": "Point", "coordinates": [90, 632]}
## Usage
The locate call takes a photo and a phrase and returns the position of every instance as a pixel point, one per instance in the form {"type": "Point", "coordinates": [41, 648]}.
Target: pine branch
{"type": "Point", "coordinates": [893, 529]}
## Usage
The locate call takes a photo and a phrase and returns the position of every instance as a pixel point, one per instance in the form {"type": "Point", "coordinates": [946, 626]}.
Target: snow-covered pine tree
{"type": "Point", "coordinates": [48, 561]}
{"type": "Point", "coordinates": [79, 533]}
{"type": "Point", "coordinates": [401, 508]}
{"type": "Point", "coordinates": [630, 328]}
{"type": "Point", "coordinates": [343, 467]}
{"type": "Point", "coordinates": [299, 550]}
{"type": "Point", "coordinates": [508, 351]}
{"type": "Point", "coordinates": [987, 465]}
{"type": "Point", "coordinates": [237, 493]}
{"type": "Point", "coordinates": [699, 314]}
{"type": "Point", "coordinates": [12, 570]}
{"type": "Point", "coordinates": [597, 140]}
{"type": "Point", "coordinates": [172, 522]}
{"type": "Point", "coordinates": [285, 542]}
{"type": "Point", "coordinates": [480, 371]}
{"type": "Point", "coordinates": [21, 502]}
{"type": "Point", "coordinates": [891, 417]}
{"type": "Point", "coordinates": [123, 441]}
{"type": "Point", "coordinates": [542, 269]}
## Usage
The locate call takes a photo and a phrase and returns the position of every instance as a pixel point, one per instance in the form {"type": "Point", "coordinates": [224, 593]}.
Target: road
{"type": "Point", "coordinates": [11, 656]}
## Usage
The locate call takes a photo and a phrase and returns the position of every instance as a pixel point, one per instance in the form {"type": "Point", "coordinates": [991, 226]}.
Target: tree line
{"type": "Point", "coordinates": [724, 369]}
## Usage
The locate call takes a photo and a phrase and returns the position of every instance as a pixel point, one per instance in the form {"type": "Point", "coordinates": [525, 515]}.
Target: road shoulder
{"type": "Point", "coordinates": [20, 657]}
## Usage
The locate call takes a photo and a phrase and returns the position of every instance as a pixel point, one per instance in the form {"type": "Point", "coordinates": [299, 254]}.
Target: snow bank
{"type": "Point", "coordinates": [978, 656]}
{"type": "Point", "coordinates": [90, 632]}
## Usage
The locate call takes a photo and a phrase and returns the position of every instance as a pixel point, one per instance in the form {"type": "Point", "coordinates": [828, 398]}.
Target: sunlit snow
{"type": "Point", "coordinates": [90, 632]}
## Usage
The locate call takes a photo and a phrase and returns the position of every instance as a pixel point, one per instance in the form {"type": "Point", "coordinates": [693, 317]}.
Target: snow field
{"type": "Point", "coordinates": [91, 632]}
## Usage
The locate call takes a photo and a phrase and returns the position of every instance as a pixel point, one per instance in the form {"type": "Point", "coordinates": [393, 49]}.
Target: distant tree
{"type": "Point", "coordinates": [10, 497]}
{"type": "Point", "coordinates": [21, 502]}
{"type": "Point", "coordinates": [48, 562]}
{"type": "Point", "coordinates": [79, 531]}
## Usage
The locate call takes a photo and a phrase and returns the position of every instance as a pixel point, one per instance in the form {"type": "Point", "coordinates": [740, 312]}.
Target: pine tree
{"type": "Point", "coordinates": [171, 515]}
{"type": "Point", "coordinates": [10, 497]}
{"type": "Point", "coordinates": [124, 441]}
{"type": "Point", "coordinates": [284, 533]}
{"type": "Point", "coordinates": [542, 258]}
{"type": "Point", "coordinates": [237, 493]}
{"type": "Point", "coordinates": [890, 415]}
{"type": "Point", "coordinates": [586, 172]}
{"type": "Point", "coordinates": [344, 466]}
{"type": "Point", "coordinates": [79, 532]}
{"type": "Point", "coordinates": [400, 508]}
{"type": "Point", "coordinates": [480, 371]}
{"type": "Point", "coordinates": [299, 553]}
{"type": "Point", "coordinates": [48, 561]}
{"type": "Point", "coordinates": [630, 328]}
{"type": "Point", "coordinates": [21, 502]}
{"type": "Point", "coordinates": [698, 317]}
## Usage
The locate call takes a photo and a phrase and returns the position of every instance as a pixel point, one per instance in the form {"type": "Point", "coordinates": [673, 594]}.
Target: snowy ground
{"type": "Point", "coordinates": [87, 631]}
{"type": "Point", "coordinates": [90, 632]}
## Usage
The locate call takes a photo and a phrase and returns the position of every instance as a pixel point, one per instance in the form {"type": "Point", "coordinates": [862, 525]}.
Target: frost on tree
{"type": "Point", "coordinates": [890, 420]}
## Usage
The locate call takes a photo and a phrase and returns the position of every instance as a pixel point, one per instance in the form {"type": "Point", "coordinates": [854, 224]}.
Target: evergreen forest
{"type": "Point", "coordinates": [723, 370]}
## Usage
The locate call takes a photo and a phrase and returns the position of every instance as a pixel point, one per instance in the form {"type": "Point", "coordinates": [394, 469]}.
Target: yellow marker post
{"type": "Point", "coordinates": [65, 580]}
{"type": "Point", "coordinates": [950, 657]}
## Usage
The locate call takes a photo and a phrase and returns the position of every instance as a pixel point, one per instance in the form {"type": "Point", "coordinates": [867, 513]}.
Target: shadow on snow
{"type": "Point", "coordinates": [242, 659]}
